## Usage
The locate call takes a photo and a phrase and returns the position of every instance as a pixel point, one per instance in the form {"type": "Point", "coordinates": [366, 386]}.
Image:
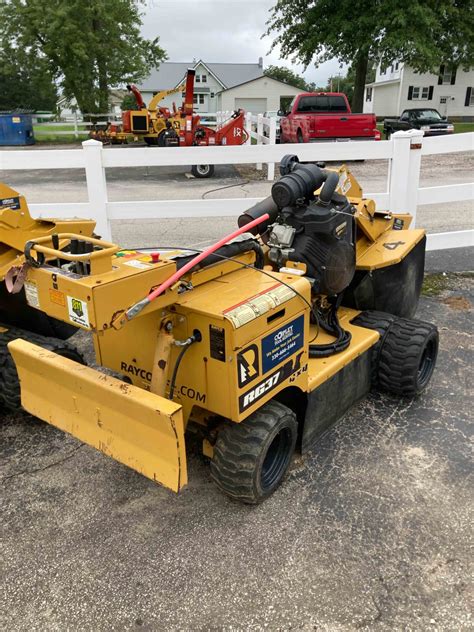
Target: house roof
{"type": "Point", "coordinates": [282, 83]}
{"type": "Point", "coordinates": [169, 74]}
{"type": "Point", "coordinates": [388, 82]}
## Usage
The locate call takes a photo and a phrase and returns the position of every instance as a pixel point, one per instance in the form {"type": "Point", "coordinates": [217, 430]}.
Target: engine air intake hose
{"type": "Point", "coordinates": [332, 180]}
{"type": "Point", "coordinates": [265, 206]}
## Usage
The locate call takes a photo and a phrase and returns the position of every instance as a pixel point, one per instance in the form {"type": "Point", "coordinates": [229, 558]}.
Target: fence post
{"type": "Point", "coordinates": [272, 138]}
{"type": "Point", "coordinates": [259, 135]}
{"type": "Point", "coordinates": [248, 127]}
{"type": "Point", "coordinates": [405, 172]}
{"type": "Point", "coordinates": [76, 135]}
{"type": "Point", "coordinates": [97, 186]}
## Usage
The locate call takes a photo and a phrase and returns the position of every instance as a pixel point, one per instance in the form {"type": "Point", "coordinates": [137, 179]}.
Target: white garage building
{"type": "Point", "coordinates": [220, 87]}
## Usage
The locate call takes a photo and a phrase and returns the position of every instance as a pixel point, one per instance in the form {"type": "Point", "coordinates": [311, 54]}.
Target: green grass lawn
{"type": "Point", "coordinates": [47, 134]}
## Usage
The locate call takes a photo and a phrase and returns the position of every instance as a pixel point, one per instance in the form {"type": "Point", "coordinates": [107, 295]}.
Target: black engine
{"type": "Point", "coordinates": [318, 231]}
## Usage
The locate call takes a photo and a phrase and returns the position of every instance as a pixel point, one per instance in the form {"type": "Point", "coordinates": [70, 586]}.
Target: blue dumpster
{"type": "Point", "coordinates": [16, 129]}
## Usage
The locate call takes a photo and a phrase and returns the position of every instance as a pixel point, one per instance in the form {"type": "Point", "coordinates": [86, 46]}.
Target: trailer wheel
{"type": "Point", "coordinates": [202, 171]}
{"type": "Point", "coordinates": [408, 357]}
{"type": "Point", "coordinates": [251, 458]}
{"type": "Point", "coordinates": [10, 397]}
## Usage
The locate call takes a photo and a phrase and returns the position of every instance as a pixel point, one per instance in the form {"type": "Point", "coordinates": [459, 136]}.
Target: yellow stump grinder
{"type": "Point", "coordinates": [17, 318]}
{"type": "Point", "coordinates": [259, 343]}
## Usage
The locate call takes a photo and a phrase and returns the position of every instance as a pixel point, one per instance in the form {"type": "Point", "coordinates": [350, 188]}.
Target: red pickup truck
{"type": "Point", "coordinates": [325, 116]}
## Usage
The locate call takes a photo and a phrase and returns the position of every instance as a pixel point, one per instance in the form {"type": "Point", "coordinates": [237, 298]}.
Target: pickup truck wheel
{"type": "Point", "coordinates": [388, 133]}
{"type": "Point", "coordinates": [299, 136]}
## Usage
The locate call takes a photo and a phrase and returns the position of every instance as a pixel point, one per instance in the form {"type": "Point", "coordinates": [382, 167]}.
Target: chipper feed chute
{"type": "Point", "coordinates": [133, 426]}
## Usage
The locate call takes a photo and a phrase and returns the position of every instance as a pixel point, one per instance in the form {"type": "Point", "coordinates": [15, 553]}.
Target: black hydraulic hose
{"type": "Point", "coordinates": [191, 340]}
{"type": "Point", "coordinates": [332, 327]}
{"type": "Point", "coordinates": [228, 251]}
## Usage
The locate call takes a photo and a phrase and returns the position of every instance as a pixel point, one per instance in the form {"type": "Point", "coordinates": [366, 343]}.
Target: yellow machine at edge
{"type": "Point", "coordinates": [259, 347]}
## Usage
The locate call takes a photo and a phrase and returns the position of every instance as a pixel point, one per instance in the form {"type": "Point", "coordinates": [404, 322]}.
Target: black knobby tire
{"type": "Point", "coordinates": [10, 396]}
{"type": "Point", "coordinates": [202, 171]}
{"type": "Point", "coordinates": [381, 322]}
{"type": "Point", "coordinates": [408, 357]}
{"type": "Point", "coordinates": [388, 133]}
{"type": "Point", "coordinates": [60, 329]}
{"type": "Point", "coordinates": [251, 458]}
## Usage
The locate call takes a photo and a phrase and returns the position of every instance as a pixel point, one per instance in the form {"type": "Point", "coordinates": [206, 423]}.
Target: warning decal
{"type": "Point", "coordinates": [259, 304]}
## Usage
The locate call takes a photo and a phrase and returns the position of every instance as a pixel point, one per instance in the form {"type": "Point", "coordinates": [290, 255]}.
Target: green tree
{"type": "Point", "coordinates": [88, 45]}
{"type": "Point", "coordinates": [128, 103]}
{"type": "Point", "coordinates": [26, 82]}
{"type": "Point", "coordinates": [280, 73]}
{"type": "Point", "coordinates": [421, 33]}
{"type": "Point", "coordinates": [346, 82]}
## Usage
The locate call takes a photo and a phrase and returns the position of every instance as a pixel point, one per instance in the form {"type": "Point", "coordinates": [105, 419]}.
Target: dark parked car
{"type": "Point", "coordinates": [426, 119]}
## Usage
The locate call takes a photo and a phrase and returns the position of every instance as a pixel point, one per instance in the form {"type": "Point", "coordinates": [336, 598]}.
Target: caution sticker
{"type": "Point", "coordinates": [259, 304]}
{"type": "Point", "coordinates": [134, 263]}
{"type": "Point", "coordinates": [78, 312]}
{"type": "Point", "coordinates": [31, 293]}
{"type": "Point", "coordinates": [55, 296]}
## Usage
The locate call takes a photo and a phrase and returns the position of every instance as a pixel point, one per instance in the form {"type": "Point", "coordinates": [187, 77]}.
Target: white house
{"type": "Point", "coordinates": [219, 87]}
{"type": "Point", "coordinates": [399, 87]}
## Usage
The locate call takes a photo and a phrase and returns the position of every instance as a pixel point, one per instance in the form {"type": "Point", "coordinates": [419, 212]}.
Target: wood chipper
{"type": "Point", "coordinates": [17, 318]}
{"type": "Point", "coordinates": [258, 343]}
{"type": "Point", "coordinates": [179, 127]}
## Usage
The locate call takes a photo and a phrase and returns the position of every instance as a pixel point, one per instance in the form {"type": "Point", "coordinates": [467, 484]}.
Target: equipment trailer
{"type": "Point", "coordinates": [260, 342]}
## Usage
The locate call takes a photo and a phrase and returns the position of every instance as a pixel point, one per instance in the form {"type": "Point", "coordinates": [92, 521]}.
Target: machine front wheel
{"type": "Point", "coordinates": [202, 171]}
{"type": "Point", "coordinates": [251, 458]}
{"type": "Point", "coordinates": [10, 394]}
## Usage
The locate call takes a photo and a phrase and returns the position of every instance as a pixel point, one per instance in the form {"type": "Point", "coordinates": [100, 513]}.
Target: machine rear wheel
{"type": "Point", "coordinates": [9, 384]}
{"type": "Point", "coordinates": [251, 458]}
{"type": "Point", "coordinates": [407, 357]}
{"type": "Point", "coordinates": [202, 171]}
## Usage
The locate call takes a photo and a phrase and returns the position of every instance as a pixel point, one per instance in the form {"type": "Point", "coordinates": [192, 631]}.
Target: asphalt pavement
{"type": "Point", "coordinates": [370, 531]}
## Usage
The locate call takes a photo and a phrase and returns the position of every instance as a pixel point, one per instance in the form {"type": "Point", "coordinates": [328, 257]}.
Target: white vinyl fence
{"type": "Point", "coordinates": [403, 193]}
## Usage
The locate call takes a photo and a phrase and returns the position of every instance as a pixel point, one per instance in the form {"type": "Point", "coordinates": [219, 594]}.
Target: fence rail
{"type": "Point", "coordinates": [403, 194]}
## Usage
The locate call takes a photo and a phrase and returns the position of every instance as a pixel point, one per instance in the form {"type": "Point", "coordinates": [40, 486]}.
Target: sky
{"type": "Point", "coordinates": [221, 31]}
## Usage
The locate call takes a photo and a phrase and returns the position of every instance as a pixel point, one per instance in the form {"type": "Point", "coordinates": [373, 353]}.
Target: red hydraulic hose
{"type": "Point", "coordinates": [137, 308]}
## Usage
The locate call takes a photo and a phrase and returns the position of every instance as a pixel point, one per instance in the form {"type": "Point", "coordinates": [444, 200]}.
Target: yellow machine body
{"type": "Point", "coordinates": [17, 227]}
{"type": "Point", "coordinates": [254, 342]}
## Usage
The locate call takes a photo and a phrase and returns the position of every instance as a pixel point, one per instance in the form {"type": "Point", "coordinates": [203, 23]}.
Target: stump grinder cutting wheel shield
{"type": "Point", "coordinates": [260, 343]}
{"type": "Point", "coordinates": [17, 317]}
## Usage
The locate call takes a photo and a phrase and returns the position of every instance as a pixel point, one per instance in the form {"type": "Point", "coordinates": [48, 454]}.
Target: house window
{"type": "Point", "coordinates": [212, 95]}
{"type": "Point", "coordinates": [368, 95]}
{"type": "Point", "coordinates": [471, 100]}
{"type": "Point", "coordinates": [447, 75]}
{"type": "Point", "coordinates": [198, 99]}
{"type": "Point", "coordinates": [197, 78]}
{"type": "Point", "coordinates": [397, 65]}
{"type": "Point", "coordinates": [204, 78]}
{"type": "Point", "coordinates": [420, 94]}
